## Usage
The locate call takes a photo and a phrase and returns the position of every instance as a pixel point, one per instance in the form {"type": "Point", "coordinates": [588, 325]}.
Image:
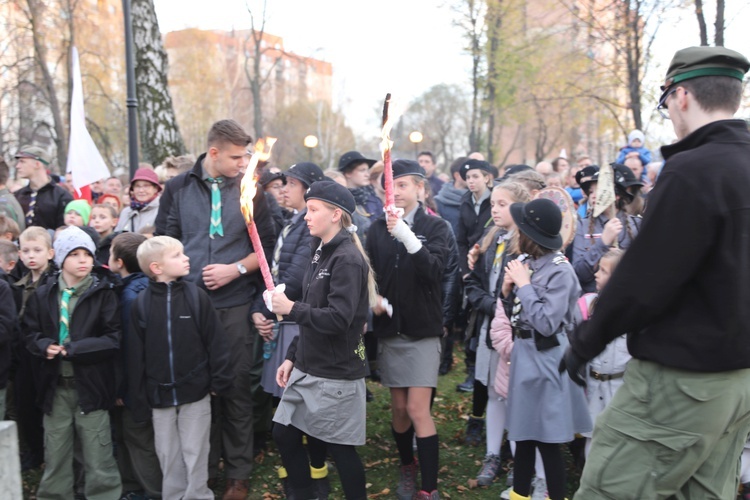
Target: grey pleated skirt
{"type": "Point", "coordinates": [287, 332]}
{"type": "Point", "coordinates": [330, 410]}
{"type": "Point", "coordinates": [406, 361]}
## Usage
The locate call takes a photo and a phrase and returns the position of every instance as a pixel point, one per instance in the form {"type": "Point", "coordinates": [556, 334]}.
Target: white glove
{"type": "Point", "coordinates": [404, 234]}
{"type": "Point", "coordinates": [387, 306]}
{"type": "Point", "coordinates": [267, 294]}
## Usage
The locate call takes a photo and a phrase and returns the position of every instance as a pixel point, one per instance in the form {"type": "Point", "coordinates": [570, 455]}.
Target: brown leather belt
{"type": "Point", "coordinates": [604, 377]}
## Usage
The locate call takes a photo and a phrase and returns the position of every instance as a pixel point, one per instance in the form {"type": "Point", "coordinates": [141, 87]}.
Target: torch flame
{"type": "Point", "coordinates": [249, 185]}
{"type": "Point", "coordinates": [394, 114]}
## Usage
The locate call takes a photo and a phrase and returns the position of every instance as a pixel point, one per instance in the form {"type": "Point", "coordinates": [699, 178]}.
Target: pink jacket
{"type": "Point", "coordinates": [502, 340]}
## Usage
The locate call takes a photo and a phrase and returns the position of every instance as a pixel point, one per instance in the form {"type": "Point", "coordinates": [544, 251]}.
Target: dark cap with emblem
{"type": "Point", "coordinates": [305, 172]}
{"type": "Point", "coordinates": [402, 168]}
{"type": "Point", "coordinates": [513, 169]}
{"type": "Point", "coordinates": [352, 159]}
{"type": "Point", "coordinates": [540, 220]}
{"type": "Point", "coordinates": [586, 176]}
{"type": "Point", "coordinates": [267, 177]}
{"type": "Point", "coordinates": [694, 62]}
{"type": "Point", "coordinates": [334, 193]}
{"type": "Point", "coordinates": [33, 152]}
{"type": "Point", "coordinates": [624, 177]}
{"type": "Point", "coordinates": [472, 164]}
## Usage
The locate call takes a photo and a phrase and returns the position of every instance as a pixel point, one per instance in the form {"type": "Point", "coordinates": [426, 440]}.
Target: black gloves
{"type": "Point", "coordinates": [575, 366]}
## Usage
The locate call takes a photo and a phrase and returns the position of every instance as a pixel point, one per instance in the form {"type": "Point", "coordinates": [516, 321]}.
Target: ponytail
{"type": "Point", "coordinates": [372, 288]}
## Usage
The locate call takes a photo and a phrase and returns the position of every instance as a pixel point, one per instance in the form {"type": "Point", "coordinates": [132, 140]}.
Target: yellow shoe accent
{"type": "Point", "coordinates": [516, 496]}
{"type": "Point", "coordinates": [282, 472]}
{"type": "Point", "coordinates": [319, 473]}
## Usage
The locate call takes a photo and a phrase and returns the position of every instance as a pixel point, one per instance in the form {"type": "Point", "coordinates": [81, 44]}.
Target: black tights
{"type": "Point", "coordinates": [554, 468]}
{"type": "Point", "coordinates": [479, 399]}
{"type": "Point", "coordinates": [294, 456]}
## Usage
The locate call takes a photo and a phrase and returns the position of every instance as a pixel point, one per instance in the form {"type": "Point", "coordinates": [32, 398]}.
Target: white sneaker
{"type": "Point", "coordinates": [505, 495]}
{"type": "Point", "coordinates": [539, 489]}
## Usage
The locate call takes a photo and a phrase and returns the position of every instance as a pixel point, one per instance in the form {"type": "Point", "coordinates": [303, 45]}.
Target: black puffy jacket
{"type": "Point", "coordinates": [95, 329]}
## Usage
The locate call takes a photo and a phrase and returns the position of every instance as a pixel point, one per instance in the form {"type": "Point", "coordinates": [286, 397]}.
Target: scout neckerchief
{"type": "Point", "coordinates": [277, 249]}
{"type": "Point", "coordinates": [32, 207]}
{"type": "Point", "coordinates": [517, 307]}
{"type": "Point", "coordinates": [215, 227]}
{"type": "Point", "coordinates": [65, 314]}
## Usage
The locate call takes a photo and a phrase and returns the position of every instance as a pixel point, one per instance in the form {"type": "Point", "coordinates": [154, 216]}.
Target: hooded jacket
{"type": "Point", "coordinates": [448, 200]}
{"type": "Point", "coordinates": [412, 283]}
{"type": "Point", "coordinates": [332, 313]}
{"type": "Point", "coordinates": [95, 329]}
{"type": "Point", "coordinates": [180, 355]}
{"type": "Point", "coordinates": [185, 213]}
{"type": "Point", "coordinates": [682, 289]}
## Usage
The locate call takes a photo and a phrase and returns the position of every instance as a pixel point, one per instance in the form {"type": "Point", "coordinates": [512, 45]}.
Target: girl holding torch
{"type": "Point", "coordinates": [409, 255]}
{"type": "Point", "coordinates": [323, 374]}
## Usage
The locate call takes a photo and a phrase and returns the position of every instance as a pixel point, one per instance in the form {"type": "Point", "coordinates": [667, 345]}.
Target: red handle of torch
{"type": "Point", "coordinates": [390, 201]}
{"type": "Point", "coordinates": [265, 269]}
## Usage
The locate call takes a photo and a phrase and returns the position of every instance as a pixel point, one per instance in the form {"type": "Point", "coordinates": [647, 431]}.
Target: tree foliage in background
{"type": "Point", "coordinates": [35, 81]}
{"type": "Point", "coordinates": [292, 123]}
{"type": "Point", "coordinates": [159, 133]}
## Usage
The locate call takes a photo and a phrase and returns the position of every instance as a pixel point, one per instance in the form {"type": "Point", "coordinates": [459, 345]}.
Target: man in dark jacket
{"type": "Point", "coordinates": [681, 292]}
{"type": "Point", "coordinates": [448, 200]}
{"type": "Point", "coordinates": [201, 208]}
{"type": "Point", "coordinates": [42, 200]}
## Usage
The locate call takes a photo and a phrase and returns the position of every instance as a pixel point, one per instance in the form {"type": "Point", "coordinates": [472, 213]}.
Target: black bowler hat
{"type": "Point", "coordinates": [586, 176]}
{"type": "Point", "coordinates": [334, 193]}
{"type": "Point", "coordinates": [472, 164]}
{"type": "Point", "coordinates": [268, 177]}
{"type": "Point", "coordinates": [513, 169]}
{"type": "Point", "coordinates": [353, 158]}
{"type": "Point", "coordinates": [306, 173]}
{"type": "Point", "coordinates": [402, 168]}
{"type": "Point", "coordinates": [540, 220]}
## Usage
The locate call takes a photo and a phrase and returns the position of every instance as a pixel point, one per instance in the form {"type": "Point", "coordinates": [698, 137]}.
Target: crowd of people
{"type": "Point", "coordinates": [139, 347]}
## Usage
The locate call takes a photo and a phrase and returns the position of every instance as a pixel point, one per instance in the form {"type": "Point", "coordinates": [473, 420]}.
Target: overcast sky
{"type": "Point", "coordinates": [404, 46]}
{"type": "Point", "coordinates": [398, 46]}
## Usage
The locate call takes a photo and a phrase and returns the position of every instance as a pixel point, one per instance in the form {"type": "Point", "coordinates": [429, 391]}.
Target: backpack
{"type": "Point", "coordinates": [143, 304]}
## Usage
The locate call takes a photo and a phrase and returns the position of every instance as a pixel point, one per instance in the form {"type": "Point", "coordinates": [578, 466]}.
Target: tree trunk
{"type": "Point", "coordinates": [701, 22]}
{"type": "Point", "coordinates": [634, 58]}
{"type": "Point", "coordinates": [160, 136]}
{"type": "Point", "coordinates": [494, 22]}
{"type": "Point", "coordinates": [40, 57]}
{"type": "Point", "coordinates": [719, 25]}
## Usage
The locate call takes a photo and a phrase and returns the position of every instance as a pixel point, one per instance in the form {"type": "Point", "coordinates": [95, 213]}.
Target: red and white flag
{"type": "Point", "coordinates": [85, 163]}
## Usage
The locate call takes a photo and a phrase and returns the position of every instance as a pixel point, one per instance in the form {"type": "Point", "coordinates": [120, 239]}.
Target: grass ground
{"type": "Point", "coordinates": [458, 463]}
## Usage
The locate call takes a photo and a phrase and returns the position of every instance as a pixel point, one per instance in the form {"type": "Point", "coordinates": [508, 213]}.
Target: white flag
{"type": "Point", "coordinates": [85, 163]}
{"type": "Point", "coordinates": [605, 189]}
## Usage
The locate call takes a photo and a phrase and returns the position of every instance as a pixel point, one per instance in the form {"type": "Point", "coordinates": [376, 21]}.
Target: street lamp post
{"type": "Point", "coordinates": [310, 142]}
{"type": "Point", "coordinates": [132, 101]}
{"type": "Point", "coordinates": [416, 138]}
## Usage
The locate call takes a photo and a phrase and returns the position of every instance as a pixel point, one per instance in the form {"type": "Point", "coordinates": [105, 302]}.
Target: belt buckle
{"type": "Point", "coordinates": [596, 375]}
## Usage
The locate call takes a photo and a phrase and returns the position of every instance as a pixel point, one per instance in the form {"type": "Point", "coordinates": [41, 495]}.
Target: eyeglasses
{"type": "Point", "coordinates": [662, 106]}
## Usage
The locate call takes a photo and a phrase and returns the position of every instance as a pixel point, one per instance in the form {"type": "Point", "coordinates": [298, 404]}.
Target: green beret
{"type": "Point", "coordinates": [694, 62]}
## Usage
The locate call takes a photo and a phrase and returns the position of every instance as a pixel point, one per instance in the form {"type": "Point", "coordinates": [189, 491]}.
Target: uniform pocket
{"type": "Point", "coordinates": [630, 455]}
{"type": "Point", "coordinates": [335, 397]}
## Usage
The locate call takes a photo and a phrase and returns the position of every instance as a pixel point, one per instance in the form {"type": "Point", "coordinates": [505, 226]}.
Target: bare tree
{"type": "Point", "coordinates": [472, 22]}
{"type": "Point", "coordinates": [160, 136]}
{"type": "Point", "coordinates": [258, 75]}
{"type": "Point", "coordinates": [701, 22]}
{"type": "Point", "coordinates": [719, 24]}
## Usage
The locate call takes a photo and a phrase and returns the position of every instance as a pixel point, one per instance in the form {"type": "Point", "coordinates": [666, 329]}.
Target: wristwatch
{"type": "Point", "coordinates": [242, 269]}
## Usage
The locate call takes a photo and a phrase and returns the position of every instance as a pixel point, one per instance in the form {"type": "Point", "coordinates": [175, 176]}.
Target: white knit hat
{"type": "Point", "coordinates": [69, 239]}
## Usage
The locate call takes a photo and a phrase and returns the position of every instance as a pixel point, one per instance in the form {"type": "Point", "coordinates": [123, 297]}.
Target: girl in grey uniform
{"type": "Point", "coordinates": [323, 374]}
{"type": "Point", "coordinates": [544, 409]}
